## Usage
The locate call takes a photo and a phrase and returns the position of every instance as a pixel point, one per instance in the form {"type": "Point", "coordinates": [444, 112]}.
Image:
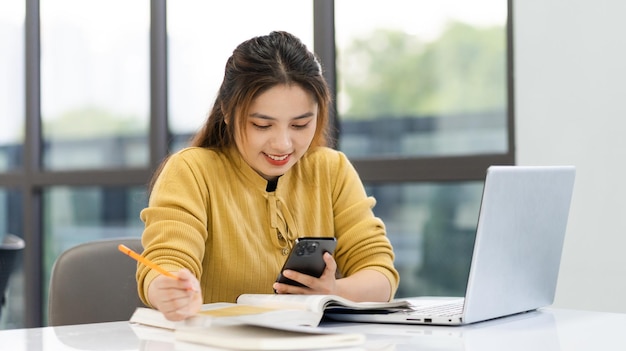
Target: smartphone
{"type": "Point", "coordinates": [306, 257]}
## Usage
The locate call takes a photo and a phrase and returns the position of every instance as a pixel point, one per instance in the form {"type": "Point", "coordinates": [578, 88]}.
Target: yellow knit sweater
{"type": "Point", "coordinates": [210, 212]}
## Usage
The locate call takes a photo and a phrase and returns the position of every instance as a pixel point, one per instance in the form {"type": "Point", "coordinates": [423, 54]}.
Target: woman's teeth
{"type": "Point", "coordinates": [277, 158]}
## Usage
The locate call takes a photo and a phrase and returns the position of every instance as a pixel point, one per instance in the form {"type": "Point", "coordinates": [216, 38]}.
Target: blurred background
{"type": "Point", "coordinates": [95, 93]}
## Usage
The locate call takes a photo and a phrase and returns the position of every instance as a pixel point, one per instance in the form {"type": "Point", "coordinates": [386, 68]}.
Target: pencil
{"type": "Point", "coordinates": [125, 249]}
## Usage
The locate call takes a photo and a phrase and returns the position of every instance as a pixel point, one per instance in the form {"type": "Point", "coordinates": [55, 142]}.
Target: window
{"type": "Point", "coordinates": [426, 79]}
{"type": "Point", "coordinates": [11, 84]}
{"type": "Point", "coordinates": [197, 55]}
{"type": "Point", "coordinates": [11, 144]}
{"type": "Point", "coordinates": [95, 85]}
{"type": "Point", "coordinates": [423, 99]}
{"type": "Point", "coordinates": [11, 315]}
{"type": "Point", "coordinates": [422, 86]}
{"type": "Point", "coordinates": [74, 215]}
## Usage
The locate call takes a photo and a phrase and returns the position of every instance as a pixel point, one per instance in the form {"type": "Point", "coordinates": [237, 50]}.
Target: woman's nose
{"type": "Point", "coordinates": [281, 140]}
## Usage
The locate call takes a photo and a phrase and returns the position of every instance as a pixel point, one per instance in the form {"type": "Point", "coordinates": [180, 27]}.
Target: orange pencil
{"type": "Point", "coordinates": [125, 249]}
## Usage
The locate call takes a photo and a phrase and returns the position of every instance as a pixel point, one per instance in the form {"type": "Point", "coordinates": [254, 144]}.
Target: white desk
{"type": "Point", "coordinates": [543, 330]}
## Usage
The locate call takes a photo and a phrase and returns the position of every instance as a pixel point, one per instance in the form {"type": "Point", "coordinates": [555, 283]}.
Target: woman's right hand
{"type": "Point", "coordinates": [177, 299]}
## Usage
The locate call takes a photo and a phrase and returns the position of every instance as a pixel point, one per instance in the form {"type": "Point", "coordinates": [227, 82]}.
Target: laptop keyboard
{"type": "Point", "coordinates": [444, 310]}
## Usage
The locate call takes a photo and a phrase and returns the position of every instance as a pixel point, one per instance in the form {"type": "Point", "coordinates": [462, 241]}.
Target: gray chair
{"type": "Point", "coordinates": [10, 246]}
{"type": "Point", "coordinates": [94, 282]}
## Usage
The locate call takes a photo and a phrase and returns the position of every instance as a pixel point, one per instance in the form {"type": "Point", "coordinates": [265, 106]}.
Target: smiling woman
{"type": "Point", "coordinates": [224, 213]}
{"type": "Point", "coordinates": [282, 124]}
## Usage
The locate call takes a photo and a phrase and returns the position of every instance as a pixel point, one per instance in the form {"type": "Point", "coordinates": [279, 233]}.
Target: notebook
{"type": "Point", "coordinates": [517, 251]}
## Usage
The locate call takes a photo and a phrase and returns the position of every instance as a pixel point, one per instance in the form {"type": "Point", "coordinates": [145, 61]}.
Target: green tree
{"type": "Point", "coordinates": [394, 74]}
{"type": "Point", "coordinates": [90, 122]}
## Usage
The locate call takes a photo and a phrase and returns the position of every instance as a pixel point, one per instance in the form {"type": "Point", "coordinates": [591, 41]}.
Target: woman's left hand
{"type": "Point", "coordinates": [326, 284]}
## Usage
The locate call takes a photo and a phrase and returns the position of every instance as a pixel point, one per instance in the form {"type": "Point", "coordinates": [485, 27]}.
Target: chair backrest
{"type": "Point", "coordinates": [94, 282]}
{"type": "Point", "coordinates": [10, 246]}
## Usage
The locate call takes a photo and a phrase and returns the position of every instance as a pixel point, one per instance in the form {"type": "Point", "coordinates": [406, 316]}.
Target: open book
{"type": "Point", "coordinates": [267, 310]}
{"type": "Point", "coordinates": [248, 337]}
{"type": "Point", "coordinates": [317, 305]}
{"type": "Point", "coordinates": [265, 321]}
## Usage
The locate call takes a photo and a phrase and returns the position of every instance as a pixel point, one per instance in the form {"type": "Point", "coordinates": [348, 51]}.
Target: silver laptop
{"type": "Point", "coordinates": [517, 251]}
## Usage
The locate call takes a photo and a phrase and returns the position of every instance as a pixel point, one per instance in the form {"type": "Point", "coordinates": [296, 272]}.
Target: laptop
{"type": "Point", "coordinates": [517, 251]}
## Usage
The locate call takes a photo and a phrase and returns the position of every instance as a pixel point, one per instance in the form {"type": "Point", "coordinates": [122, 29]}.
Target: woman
{"type": "Point", "coordinates": [224, 213]}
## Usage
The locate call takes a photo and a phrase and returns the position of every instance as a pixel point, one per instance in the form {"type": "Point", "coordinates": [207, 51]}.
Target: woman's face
{"type": "Point", "coordinates": [279, 130]}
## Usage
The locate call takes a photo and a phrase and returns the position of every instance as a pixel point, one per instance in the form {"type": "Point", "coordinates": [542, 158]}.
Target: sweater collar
{"type": "Point", "coordinates": [249, 174]}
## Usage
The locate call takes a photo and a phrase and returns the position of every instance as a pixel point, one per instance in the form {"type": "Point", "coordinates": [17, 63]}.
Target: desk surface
{"type": "Point", "coordinates": [544, 330]}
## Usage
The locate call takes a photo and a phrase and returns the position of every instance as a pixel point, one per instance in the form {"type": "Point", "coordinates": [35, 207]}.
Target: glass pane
{"type": "Point", "coordinates": [432, 228]}
{"type": "Point", "coordinates": [76, 215]}
{"type": "Point", "coordinates": [203, 34]}
{"type": "Point", "coordinates": [12, 313]}
{"type": "Point", "coordinates": [422, 78]}
{"type": "Point", "coordinates": [95, 83]}
{"type": "Point", "coordinates": [12, 83]}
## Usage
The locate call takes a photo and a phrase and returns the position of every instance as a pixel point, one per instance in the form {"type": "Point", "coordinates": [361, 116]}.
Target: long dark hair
{"type": "Point", "coordinates": [255, 66]}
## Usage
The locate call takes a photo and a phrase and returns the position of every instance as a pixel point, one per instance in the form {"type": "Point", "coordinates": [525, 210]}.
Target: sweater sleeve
{"type": "Point", "coordinates": [175, 221]}
{"type": "Point", "coordinates": [362, 241]}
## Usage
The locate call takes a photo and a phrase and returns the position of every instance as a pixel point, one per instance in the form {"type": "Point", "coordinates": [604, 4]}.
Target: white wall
{"type": "Point", "coordinates": [570, 92]}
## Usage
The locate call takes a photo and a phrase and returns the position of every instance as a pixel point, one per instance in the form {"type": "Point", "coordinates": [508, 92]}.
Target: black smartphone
{"type": "Point", "coordinates": [306, 257]}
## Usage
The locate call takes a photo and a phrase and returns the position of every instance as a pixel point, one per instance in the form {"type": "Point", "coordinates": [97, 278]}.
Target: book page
{"type": "Point", "coordinates": [151, 317]}
{"type": "Point", "coordinates": [235, 310]}
{"type": "Point", "coordinates": [246, 337]}
{"type": "Point", "coordinates": [314, 303]}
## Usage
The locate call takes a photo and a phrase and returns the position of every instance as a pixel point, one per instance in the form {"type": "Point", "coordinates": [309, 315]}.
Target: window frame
{"type": "Point", "coordinates": [32, 178]}
{"type": "Point", "coordinates": [414, 169]}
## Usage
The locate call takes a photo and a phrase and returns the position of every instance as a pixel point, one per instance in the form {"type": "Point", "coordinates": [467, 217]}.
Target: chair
{"type": "Point", "coordinates": [10, 247]}
{"type": "Point", "coordinates": [94, 282]}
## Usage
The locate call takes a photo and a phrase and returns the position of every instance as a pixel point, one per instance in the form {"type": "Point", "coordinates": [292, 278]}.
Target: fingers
{"type": "Point", "coordinates": [191, 307]}
{"type": "Point", "coordinates": [178, 298]}
{"type": "Point", "coordinates": [189, 280]}
{"type": "Point", "coordinates": [331, 264]}
{"type": "Point", "coordinates": [325, 284]}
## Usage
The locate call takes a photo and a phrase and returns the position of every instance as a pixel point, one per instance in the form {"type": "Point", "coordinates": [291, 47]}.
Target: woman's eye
{"type": "Point", "coordinates": [259, 126]}
{"type": "Point", "coordinates": [300, 126]}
